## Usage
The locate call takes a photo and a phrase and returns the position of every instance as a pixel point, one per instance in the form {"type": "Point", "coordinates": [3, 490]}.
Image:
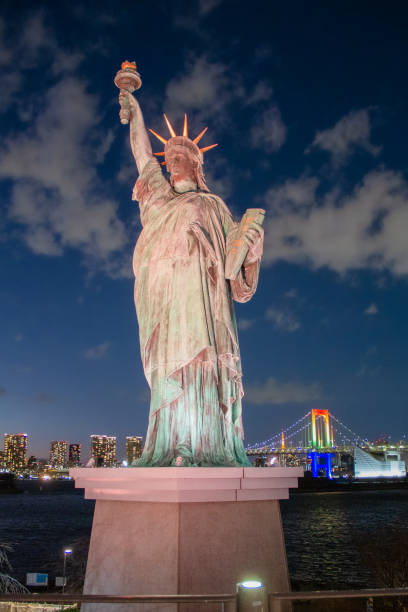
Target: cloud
{"type": "Point", "coordinates": [38, 39]}
{"type": "Point", "coordinates": [244, 324]}
{"type": "Point", "coordinates": [57, 197]}
{"type": "Point", "coordinates": [107, 18]}
{"type": "Point", "coordinates": [292, 196]}
{"type": "Point", "coordinates": [36, 43]}
{"type": "Point", "coordinates": [207, 6]}
{"type": "Point", "coordinates": [206, 90]}
{"type": "Point", "coordinates": [362, 229]}
{"type": "Point", "coordinates": [269, 131]}
{"type": "Point", "coordinates": [66, 62]}
{"type": "Point", "coordinates": [283, 320]}
{"type": "Point", "coordinates": [11, 83]}
{"type": "Point", "coordinates": [262, 52]}
{"type": "Point", "coordinates": [218, 176]}
{"type": "Point", "coordinates": [97, 352]}
{"type": "Point", "coordinates": [35, 37]}
{"type": "Point", "coordinates": [372, 351]}
{"type": "Point", "coordinates": [192, 15]}
{"type": "Point", "coordinates": [127, 174]}
{"type": "Point", "coordinates": [350, 133]}
{"type": "Point", "coordinates": [19, 337]}
{"type": "Point", "coordinates": [211, 90]}
{"type": "Point", "coordinates": [3, 391]}
{"type": "Point", "coordinates": [5, 51]}
{"type": "Point", "coordinates": [262, 91]}
{"type": "Point", "coordinates": [372, 309]}
{"type": "Point", "coordinates": [273, 391]}
{"type": "Point", "coordinates": [203, 87]}
{"type": "Point", "coordinates": [367, 371]}
{"type": "Point", "coordinates": [291, 294]}
{"type": "Point", "coordinates": [370, 365]}
{"type": "Point", "coordinates": [57, 200]}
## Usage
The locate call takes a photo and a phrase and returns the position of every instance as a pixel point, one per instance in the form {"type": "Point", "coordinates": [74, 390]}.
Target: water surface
{"type": "Point", "coordinates": [321, 530]}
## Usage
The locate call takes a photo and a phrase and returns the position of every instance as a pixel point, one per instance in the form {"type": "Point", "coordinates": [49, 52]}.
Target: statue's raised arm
{"type": "Point", "coordinates": [128, 80]}
{"type": "Point", "coordinates": [139, 140]}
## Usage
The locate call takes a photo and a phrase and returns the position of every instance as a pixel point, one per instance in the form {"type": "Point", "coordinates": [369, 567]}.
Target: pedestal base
{"type": "Point", "coordinates": [148, 547]}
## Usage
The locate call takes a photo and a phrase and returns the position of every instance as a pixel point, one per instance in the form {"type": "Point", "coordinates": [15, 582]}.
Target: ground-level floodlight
{"type": "Point", "coordinates": [252, 596]}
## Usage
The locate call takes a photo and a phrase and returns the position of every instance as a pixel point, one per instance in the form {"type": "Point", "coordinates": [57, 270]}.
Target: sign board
{"type": "Point", "coordinates": [37, 580]}
{"type": "Point", "coordinates": [60, 581]}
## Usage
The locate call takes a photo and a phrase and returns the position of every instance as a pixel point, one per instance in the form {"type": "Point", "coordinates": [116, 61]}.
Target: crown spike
{"type": "Point", "coordinates": [199, 137]}
{"type": "Point", "coordinates": [161, 154]}
{"type": "Point", "coordinates": [163, 140]}
{"type": "Point", "coordinates": [185, 129]}
{"type": "Point", "coordinates": [172, 132]}
{"type": "Point", "coordinates": [204, 149]}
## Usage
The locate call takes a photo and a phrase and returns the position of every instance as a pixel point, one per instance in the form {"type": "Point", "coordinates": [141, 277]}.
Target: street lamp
{"type": "Point", "coordinates": [252, 596]}
{"type": "Point", "coordinates": [67, 551]}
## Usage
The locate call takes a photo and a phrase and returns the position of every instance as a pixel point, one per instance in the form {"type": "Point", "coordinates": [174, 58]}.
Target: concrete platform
{"type": "Point", "coordinates": [178, 484]}
{"type": "Point", "coordinates": [184, 530]}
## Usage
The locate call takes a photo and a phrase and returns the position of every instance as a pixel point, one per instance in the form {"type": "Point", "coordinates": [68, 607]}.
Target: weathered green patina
{"type": "Point", "coordinates": [184, 304]}
{"type": "Point", "coordinates": [188, 333]}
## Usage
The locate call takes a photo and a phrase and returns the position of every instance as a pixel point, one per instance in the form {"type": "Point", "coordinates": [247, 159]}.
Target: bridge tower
{"type": "Point", "coordinates": [321, 437]}
{"type": "Point", "coordinates": [322, 440]}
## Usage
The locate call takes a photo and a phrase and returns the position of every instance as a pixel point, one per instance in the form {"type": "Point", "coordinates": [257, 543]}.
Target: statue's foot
{"type": "Point", "coordinates": [182, 461]}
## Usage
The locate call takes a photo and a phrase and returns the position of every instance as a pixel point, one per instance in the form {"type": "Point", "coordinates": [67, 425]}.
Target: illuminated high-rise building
{"type": "Point", "coordinates": [74, 455]}
{"type": "Point", "coordinates": [58, 454]}
{"type": "Point", "coordinates": [103, 450]}
{"type": "Point", "coordinates": [15, 448]}
{"type": "Point", "coordinates": [134, 447]}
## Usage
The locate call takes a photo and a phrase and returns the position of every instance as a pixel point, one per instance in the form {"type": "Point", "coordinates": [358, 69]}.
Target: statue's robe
{"type": "Point", "coordinates": [188, 332]}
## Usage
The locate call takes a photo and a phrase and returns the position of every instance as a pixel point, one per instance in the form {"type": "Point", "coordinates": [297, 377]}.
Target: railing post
{"type": "Point", "coordinates": [230, 606]}
{"type": "Point", "coordinates": [275, 604]}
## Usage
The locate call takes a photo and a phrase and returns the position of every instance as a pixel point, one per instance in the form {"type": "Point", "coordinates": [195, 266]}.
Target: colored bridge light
{"type": "Point", "coordinates": [318, 427]}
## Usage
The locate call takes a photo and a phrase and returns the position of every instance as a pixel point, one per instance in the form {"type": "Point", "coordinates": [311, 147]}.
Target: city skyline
{"type": "Point", "coordinates": [307, 105]}
{"type": "Point", "coordinates": [132, 445]}
{"type": "Point", "coordinates": [63, 452]}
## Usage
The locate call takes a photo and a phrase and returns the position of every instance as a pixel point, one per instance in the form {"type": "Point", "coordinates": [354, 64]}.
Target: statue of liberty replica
{"type": "Point", "coordinates": [190, 262]}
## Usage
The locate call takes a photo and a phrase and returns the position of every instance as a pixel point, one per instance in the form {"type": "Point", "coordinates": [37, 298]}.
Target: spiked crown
{"type": "Point", "coordinates": [182, 141]}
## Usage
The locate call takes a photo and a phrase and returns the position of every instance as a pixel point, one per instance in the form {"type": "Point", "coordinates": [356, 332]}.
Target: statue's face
{"type": "Point", "coordinates": [180, 167]}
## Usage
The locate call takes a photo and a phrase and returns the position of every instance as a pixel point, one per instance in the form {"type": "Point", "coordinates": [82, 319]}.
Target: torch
{"type": "Point", "coordinates": [129, 79]}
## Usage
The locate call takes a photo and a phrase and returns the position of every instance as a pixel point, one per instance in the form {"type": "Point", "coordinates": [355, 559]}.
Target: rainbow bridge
{"type": "Point", "coordinates": [312, 441]}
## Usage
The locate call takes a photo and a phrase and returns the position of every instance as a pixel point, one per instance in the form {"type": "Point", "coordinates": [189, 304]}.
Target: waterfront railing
{"type": "Point", "coordinates": [277, 600]}
{"type": "Point", "coordinates": [228, 602]}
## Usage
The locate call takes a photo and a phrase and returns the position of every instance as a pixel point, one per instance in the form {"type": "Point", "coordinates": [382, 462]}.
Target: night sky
{"type": "Point", "coordinates": [308, 102]}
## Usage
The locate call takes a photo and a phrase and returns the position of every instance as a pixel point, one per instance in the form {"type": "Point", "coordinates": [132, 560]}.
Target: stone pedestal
{"type": "Point", "coordinates": [184, 530]}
